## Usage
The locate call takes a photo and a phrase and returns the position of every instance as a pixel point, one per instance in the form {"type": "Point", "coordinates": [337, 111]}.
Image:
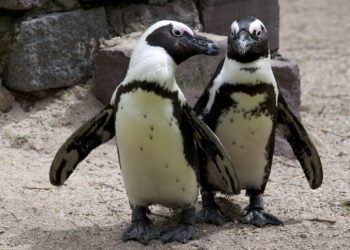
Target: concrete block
{"type": "Point", "coordinates": [111, 63]}
{"type": "Point", "coordinates": [217, 16]}
{"type": "Point", "coordinates": [287, 75]}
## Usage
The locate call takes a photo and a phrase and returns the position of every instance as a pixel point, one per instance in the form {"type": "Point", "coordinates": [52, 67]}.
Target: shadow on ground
{"type": "Point", "coordinates": [93, 237]}
{"type": "Point", "coordinates": [109, 237]}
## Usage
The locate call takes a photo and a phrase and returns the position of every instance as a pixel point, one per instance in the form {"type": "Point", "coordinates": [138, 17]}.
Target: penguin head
{"type": "Point", "coordinates": [178, 40]}
{"type": "Point", "coordinates": [247, 40]}
{"type": "Point", "coordinates": [161, 48]}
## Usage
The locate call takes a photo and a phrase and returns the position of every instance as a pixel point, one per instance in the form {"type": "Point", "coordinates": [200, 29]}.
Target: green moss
{"type": "Point", "coordinates": [17, 140]}
{"type": "Point", "coordinates": [346, 204]}
{"type": "Point", "coordinates": [67, 92]}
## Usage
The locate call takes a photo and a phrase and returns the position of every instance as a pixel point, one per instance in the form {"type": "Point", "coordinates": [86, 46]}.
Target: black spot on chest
{"type": "Point", "coordinates": [223, 103]}
{"type": "Point", "coordinates": [249, 69]}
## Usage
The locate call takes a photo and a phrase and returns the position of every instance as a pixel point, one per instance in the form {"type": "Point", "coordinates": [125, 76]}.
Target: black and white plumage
{"type": "Point", "coordinates": [243, 106]}
{"type": "Point", "coordinates": [157, 134]}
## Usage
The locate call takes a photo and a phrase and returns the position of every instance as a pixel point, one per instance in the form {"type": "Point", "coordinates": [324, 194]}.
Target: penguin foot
{"type": "Point", "coordinates": [184, 231]}
{"type": "Point", "coordinates": [212, 215]}
{"type": "Point", "coordinates": [259, 218]}
{"type": "Point", "coordinates": [181, 233]}
{"type": "Point", "coordinates": [140, 231]}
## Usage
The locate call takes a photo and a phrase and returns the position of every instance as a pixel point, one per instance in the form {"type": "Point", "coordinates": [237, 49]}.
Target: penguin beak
{"type": "Point", "coordinates": [243, 42]}
{"type": "Point", "coordinates": [202, 45]}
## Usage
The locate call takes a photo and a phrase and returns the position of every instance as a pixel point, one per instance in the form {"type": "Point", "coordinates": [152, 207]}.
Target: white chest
{"type": "Point", "coordinates": [151, 152]}
{"type": "Point", "coordinates": [245, 133]}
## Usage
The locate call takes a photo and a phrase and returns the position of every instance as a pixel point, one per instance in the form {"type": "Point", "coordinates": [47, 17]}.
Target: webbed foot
{"type": "Point", "coordinates": [212, 215]}
{"type": "Point", "coordinates": [140, 229]}
{"type": "Point", "coordinates": [184, 231]}
{"type": "Point", "coordinates": [260, 218]}
{"type": "Point", "coordinates": [256, 215]}
{"type": "Point", "coordinates": [181, 233]}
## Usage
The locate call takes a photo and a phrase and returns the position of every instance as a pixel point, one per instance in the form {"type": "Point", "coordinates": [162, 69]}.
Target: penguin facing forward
{"type": "Point", "coordinates": [243, 106]}
{"type": "Point", "coordinates": [157, 134]}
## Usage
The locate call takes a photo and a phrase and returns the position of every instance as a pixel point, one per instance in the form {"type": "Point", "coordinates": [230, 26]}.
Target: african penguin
{"type": "Point", "coordinates": [243, 106]}
{"type": "Point", "coordinates": [157, 134]}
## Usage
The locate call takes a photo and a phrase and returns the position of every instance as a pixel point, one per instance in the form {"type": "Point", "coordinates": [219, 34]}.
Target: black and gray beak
{"type": "Point", "coordinates": [243, 42]}
{"type": "Point", "coordinates": [202, 45]}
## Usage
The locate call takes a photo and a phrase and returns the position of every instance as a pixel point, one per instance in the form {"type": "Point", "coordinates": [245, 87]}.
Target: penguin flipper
{"type": "Point", "coordinates": [302, 146]}
{"type": "Point", "coordinates": [211, 145]}
{"type": "Point", "coordinates": [90, 135]}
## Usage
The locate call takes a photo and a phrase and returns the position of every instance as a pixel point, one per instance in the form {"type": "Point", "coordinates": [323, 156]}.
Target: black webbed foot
{"type": "Point", "coordinates": [255, 214]}
{"type": "Point", "coordinates": [184, 231]}
{"type": "Point", "coordinates": [260, 218]}
{"type": "Point", "coordinates": [212, 215]}
{"type": "Point", "coordinates": [140, 229]}
{"type": "Point", "coordinates": [181, 233]}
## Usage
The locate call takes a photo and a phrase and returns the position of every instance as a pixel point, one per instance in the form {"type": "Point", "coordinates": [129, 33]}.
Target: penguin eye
{"type": "Point", "coordinates": [258, 33]}
{"type": "Point", "coordinates": [233, 34]}
{"type": "Point", "coordinates": [177, 32]}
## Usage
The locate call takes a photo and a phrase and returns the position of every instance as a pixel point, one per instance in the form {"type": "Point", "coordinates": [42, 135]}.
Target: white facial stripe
{"type": "Point", "coordinates": [162, 23]}
{"type": "Point", "coordinates": [256, 25]}
{"type": "Point", "coordinates": [182, 27]}
{"type": "Point", "coordinates": [234, 27]}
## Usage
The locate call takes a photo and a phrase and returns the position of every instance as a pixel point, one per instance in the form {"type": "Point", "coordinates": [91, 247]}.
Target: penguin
{"type": "Point", "coordinates": [243, 106]}
{"type": "Point", "coordinates": [157, 134]}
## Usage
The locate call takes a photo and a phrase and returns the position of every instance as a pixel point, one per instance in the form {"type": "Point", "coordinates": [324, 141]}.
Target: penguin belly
{"type": "Point", "coordinates": [151, 152]}
{"type": "Point", "coordinates": [245, 132]}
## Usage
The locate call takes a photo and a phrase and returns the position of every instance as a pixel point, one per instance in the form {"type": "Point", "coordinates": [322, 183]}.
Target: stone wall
{"type": "Point", "coordinates": [46, 44]}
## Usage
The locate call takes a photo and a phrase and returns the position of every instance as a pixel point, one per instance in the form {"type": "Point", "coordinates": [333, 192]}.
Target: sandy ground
{"type": "Point", "coordinates": [91, 210]}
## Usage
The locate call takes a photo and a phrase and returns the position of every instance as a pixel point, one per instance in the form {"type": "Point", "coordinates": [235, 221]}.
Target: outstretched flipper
{"type": "Point", "coordinates": [210, 144]}
{"type": "Point", "coordinates": [300, 142]}
{"type": "Point", "coordinates": [90, 135]}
